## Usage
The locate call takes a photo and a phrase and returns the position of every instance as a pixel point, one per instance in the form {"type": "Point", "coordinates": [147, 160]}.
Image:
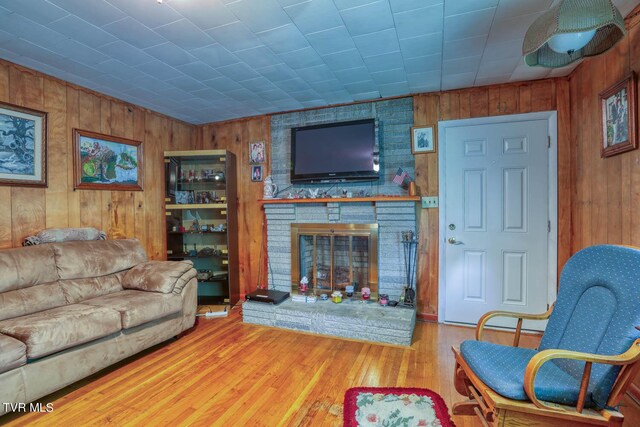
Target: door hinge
{"type": "Point", "coordinates": [548, 226]}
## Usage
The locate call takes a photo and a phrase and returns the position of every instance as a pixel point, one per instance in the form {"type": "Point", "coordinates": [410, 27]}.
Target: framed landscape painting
{"type": "Point", "coordinates": [23, 146]}
{"type": "Point", "coordinates": [103, 162]}
{"type": "Point", "coordinates": [618, 110]}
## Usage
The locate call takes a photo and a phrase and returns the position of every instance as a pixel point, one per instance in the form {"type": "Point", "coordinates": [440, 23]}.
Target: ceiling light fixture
{"type": "Point", "coordinates": [571, 30]}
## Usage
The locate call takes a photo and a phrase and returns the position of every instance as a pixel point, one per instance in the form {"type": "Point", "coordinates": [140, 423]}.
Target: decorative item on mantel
{"type": "Point", "coordinates": [270, 189]}
{"type": "Point", "coordinates": [304, 282]}
{"type": "Point", "coordinates": [403, 179]}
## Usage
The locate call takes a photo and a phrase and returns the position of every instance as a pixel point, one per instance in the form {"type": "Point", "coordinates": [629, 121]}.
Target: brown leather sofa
{"type": "Point", "coordinates": [68, 310]}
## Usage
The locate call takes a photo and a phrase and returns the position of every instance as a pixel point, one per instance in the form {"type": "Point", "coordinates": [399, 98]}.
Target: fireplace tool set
{"type": "Point", "coordinates": [410, 246]}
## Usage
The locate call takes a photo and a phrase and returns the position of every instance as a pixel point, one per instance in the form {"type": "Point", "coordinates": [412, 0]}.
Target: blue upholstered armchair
{"type": "Point", "coordinates": [587, 357]}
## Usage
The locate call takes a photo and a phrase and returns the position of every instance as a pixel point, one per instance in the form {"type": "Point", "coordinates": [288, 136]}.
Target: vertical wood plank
{"type": "Point", "coordinates": [6, 235]}
{"type": "Point", "coordinates": [73, 117]}
{"type": "Point", "coordinates": [564, 173]}
{"type": "Point", "coordinates": [57, 200]}
{"type": "Point", "coordinates": [479, 103]}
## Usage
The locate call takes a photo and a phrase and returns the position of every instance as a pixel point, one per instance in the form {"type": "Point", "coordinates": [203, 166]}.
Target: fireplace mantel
{"type": "Point", "coordinates": [373, 200]}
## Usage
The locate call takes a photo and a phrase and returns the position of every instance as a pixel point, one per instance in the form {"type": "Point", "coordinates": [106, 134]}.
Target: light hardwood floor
{"type": "Point", "coordinates": [228, 373]}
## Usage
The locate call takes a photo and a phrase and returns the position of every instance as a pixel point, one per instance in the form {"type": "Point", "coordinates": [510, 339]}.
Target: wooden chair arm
{"type": "Point", "coordinates": [520, 316]}
{"type": "Point", "coordinates": [630, 356]}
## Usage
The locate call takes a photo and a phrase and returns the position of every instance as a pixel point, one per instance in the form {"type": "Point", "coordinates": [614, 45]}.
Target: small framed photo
{"type": "Point", "coordinates": [256, 173]}
{"type": "Point", "coordinates": [618, 110]}
{"type": "Point", "coordinates": [256, 152]}
{"type": "Point", "coordinates": [103, 162]}
{"type": "Point", "coordinates": [23, 146]}
{"type": "Point", "coordinates": [423, 139]}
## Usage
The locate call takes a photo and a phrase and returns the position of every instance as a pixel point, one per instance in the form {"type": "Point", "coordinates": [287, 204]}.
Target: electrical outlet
{"type": "Point", "coordinates": [429, 202]}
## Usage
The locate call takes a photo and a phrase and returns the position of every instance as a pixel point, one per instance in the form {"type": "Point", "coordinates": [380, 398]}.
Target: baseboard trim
{"type": "Point", "coordinates": [427, 317]}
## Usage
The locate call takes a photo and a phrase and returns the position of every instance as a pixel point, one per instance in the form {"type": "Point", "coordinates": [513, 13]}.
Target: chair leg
{"type": "Point", "coordinates": [465, 408]}
{"type": "Point", "coordinates": [459, 380]}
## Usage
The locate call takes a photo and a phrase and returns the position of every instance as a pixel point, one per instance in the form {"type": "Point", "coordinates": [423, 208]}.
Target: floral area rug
{"type": "Point", "coordinates": [394, 407]}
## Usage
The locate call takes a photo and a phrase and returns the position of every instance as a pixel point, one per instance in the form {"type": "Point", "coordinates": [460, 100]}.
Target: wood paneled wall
{"type": "Point", "coordinates": [25, 211]}
{"type": "Point", "coordinates": [235, 136]}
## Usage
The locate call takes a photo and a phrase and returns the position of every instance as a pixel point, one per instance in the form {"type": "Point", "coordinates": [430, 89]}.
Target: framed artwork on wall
{"type": "Point", "coordinates": [23, 146]}
{"type": "Point", "coordinates": [256, 173]}
{"type": "Point", "coordinates": [618, 111]}
{"type": "Point", "coordinates": [103, 162]}
{"type": "Point", "coordinates": [423, 139]}
{"type": "Point", "coordinates": [256, 152]}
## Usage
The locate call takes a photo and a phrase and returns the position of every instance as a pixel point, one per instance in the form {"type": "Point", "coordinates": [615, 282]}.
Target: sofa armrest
{"type": "Point", "coordinates": [159, 276]}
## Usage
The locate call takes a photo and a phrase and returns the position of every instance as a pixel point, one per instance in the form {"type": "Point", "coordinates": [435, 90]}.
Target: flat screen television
{"type": "Point", "coordinates": [345, 151]}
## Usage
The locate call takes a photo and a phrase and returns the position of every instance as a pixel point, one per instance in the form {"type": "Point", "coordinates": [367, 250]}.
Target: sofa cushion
{"type": "Point", "coordinates": [138, 307]}
{"type": "Point", "coordinates": [156, 276]}
{"type": "Point", "coordinates": [25, 267]}
{"type": "Point", "coordinates": [31, 300]}
{"type": "Point", "coordinates": [13, 353]}
{"type": "Point", "coordinates": [60, 328]}
{"type": "Point", "coordinates": [81, 260]}
{"type": "Point", "coordinates": [78, 290]}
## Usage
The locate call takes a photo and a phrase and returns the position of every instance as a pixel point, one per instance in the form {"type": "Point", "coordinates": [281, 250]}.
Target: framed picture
{"type": "Point", "coordinates": [103, 162]}
{"type": "Point", "coordinates": [256, 173]}
{"type": "Point", "coordinates": [423, 139]}
{"type": "Point", "coordinates": [23, 146]}
{"type": "Point", "coordinates": [618, 111]}
{"type": "Point", "coordinates": [256, 152]}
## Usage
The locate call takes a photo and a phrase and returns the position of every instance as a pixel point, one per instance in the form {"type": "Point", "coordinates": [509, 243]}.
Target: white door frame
{"type": "Point", "coordinates": [552, 119]}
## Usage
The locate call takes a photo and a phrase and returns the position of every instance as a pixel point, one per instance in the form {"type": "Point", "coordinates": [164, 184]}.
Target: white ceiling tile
{"type": "Point", "coordinates": [274, 95]}
{"type": "Point", "coordinates": [343, 60]}
{"type": "Point", "coordinates": [40, 11]}
{"type": "Point", "coordinates": [503, 50]}
{"type": "Point", "coordinates": [79, 52]}
{"type": "Point", "coordinates": [426, 78]}
{"type": "Point", "coordinates": [258, 57]}
{"type": "Point", "coordinates": [464, 48]}
{"type": "Point", "coordinates": [418, 22]}
{"type": "Point", "coordinates": [29, 30]}
{"type": "Point", "coordinates": [384, 62]}
{"type": "Point", "coordinates": [348, 4]}
{"type": "Point", "coordinates": [364, 96]}
{"type": "Point", "coordinates": [186, 83]}
{"type": "Point", "coordinates": [134, 33]}
{"type": "Point", "coordinates": [235, 36]}
{"type": "Point", "coordinates": [373, 44]}
{"type": "Point", "coordinates": [468, 25]}
{"type": "Point", "coordinates": [353, 75]}
{"type": "Point", "coordinates": [148, 13]}
{"type": "Point", "coordinates": [361, 87]}
{"type": "Point", "coordinates": [458, 7]}
{"type": "Point", "coordinates": [370, 18]}
{"type": "Point", "coordinates": [423, 63]}
{"type": "Point", "coordinates": [510, 9]}
{"type": "Point", "coordinates": [157, 69]}
{"type": "Point", "coordinates": [292, 85]}
{"type": "Point", "coordinates": [326, 85]}
{"type": "Point", "coordinates": [259, 84]}
{"type": "Point", "coordinates": [331, 41]}
{"type": "Point", "coordinates": [199, 71]}
{"type": "Point", "coordinates": [122, 70]}
{"type": "Point", "coordinates": [301, 58]}
{"type": "Point", "coordinates": [205, 14]}
{"type": "Point", "coordinates": [277, 72]}
{"type": "Point", "coordinates": [238, 71]}
{"type": "Point", "coordinates": [499, 67]}
{"type": "Point", "coordinates": [171, 54]}
{"type": "Point", "coordinates": [511, 29]}
{"type": "Point", "coordinates": [497, 79]}
{"type": "Point", "coordinates": [214, 55]}
{"type": "Point", "coordinates": [313, 16]}
{"type": "Point", "coordinates": [315, 74]}
{"type": "Point", "coordinates": [82, 31]}
{"type": "Point", "coordinates": [405, 5]}
{"type": "Point", "coordinates": [185, 34]}
{"type": "Point", "coordinates": [564, 71]}
{"type": "Point", "coordinates": [461, 65]}
{"type": "Point", "coordinates": [524, 72]}
{"type": "Point", "coordinates": [222, 84]}
{"type": "Point", "coordinates": [422, 45]}
{"type": "Point", "coordinates": [394, 89]}
{"type": "Point", "coordinates": [397, 75]}
{"type": "Point", "coordinates": [260, 15]}
{"type": "Point", "coordinates": [98, 12]}
{"type": "Point", "coordinates": [284, 39]}
{"type": "Point", "coordinates": [458, 81]}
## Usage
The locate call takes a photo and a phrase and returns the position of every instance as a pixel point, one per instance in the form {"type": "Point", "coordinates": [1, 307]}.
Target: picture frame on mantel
{"type": "Point", "coordinates": [423, 139]}
{"type": "Point", "coordinates": [104, 162]}
{"type": "Point", "coordinates": [618, 110]}
{"type": "Point", "coordinates": [23, 146]}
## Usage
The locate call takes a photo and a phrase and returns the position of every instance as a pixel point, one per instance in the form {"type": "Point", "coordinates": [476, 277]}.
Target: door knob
{"type": "Point", "coordinates": [453, 241]}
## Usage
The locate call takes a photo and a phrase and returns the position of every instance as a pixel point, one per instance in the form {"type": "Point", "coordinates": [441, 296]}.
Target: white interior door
{"type": "Point", "coordinates": [496, 195]}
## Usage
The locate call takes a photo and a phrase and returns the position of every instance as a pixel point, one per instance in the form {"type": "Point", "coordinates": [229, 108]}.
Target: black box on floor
{"type": "Point", "coordinates": [267, 296]}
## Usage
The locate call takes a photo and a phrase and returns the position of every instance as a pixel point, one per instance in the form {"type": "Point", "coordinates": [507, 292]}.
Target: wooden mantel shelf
{"type": "Point", "coordinates": [374, 199]}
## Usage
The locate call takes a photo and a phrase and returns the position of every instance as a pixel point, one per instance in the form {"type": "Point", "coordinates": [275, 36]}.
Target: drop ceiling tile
{"type": "Point", "coordinates": [418, 22]}
{"type": "Point", "coordinates": [150, 83]}
{"type": "Point", "coordinates": [343, 60]}
{"type": "Point", "coordinates": [157, 69]}
{"type": "Point", "coordinates": [82, 31]}
{"type": "Point", "coordinates": [503, 50]}
{"type": "Point", "coordinates": [258, 57]}
{"type": "Point", "coordinates": [427, 44]}
{"type": "Point", "coordinates": [405, 5]}
{"type": "Point", "coordinates": [184, 34]}
{"type": "Point", "coordinates": [337, 97]}
{"type": "Point", "coordinates": [564, 71]}
{"type": "Point", "coordinates": [258, 84]}
{"type": "Point", "coordinates": [238, 71]}
{"type": "Point", "coordinates": [499, 67]}
{"type": "Point", "coordinates": [97, 12]}
{"type": "Point", "coordinates": [314, 16]}
{"type": "Point", "coordinates": [302, 58]}
{"type": "Point", "coordinates": [391, 76]}
{"type": "Point", "coordinates": [171, 54]}
{"type": "Point", "coordinates": [208, 94]}
{"type": "Point", "coordinates": [353, 75]}
{"type": "Point", "coordinates": [235, 36]}
{"type": "Point", "coordinates": [126, 53]}
{"type": "Point", "coordinates": [286, 3]}
{"type": "Point", "coordinates": [134, 33]}
{"type": "Point", "coordinates": [423, 63]}
{"type": "Point", "coordinates": [510, 9]}
{"type": "Point", "coordinates": [511, 29]}
{"type": "Point", "coordinates": [458, 7]}
{"type": "Point", "coordinates": [384, 62]}
{"type": "Point", "coordinates": [199, 71]}
{"type": "Point", "coordinates": [327, 85]}
{"type": "Point", "coordinates": [241, 94]}
{"type": "Point", "coordinates": [457, 81]}
{"type": "Point", "coordinates": [370, 18]}
{"type": "Point", "coordinates": [524, 72]}
{"type": "Point", "coordinates": [277, 72]}
{"type": "Point", "coordinates": [122, 70]}
{"type": "Point", "coordinates": [274, 95]}
{"type": "Point", "coordinates": [361, 87]}
{"type": "Point", "coordinates": [461, 65]}
{"type": "Point", "coordinates": [394, 89]}
{"type": "Point", "coordinates": [148, 13]}
{"type": "Point", "coordinates": [222, 84]}
{"type": "Point", "coordinates": [304, 95]}
{"type": "Point", "coordinates": [40, 11]}
{"type": "Point", "coordinates": [348, 4]}
{"type": "Point", "coordinates": [464, 48]}
{"type": "Point", "coordinates": [468, 24]}
{"type": "Point", "coordinates": [330, 41]}
{"type": "Point", "coordinates": [186, 83]}
{"type": "Point", "coordinates": [316, 74]}
{"type": "Point", "coordinates": [205, 14]}
{"type": "Point", "coordinates": [365, 96]}
{"type": "Point", "coordinates": [292, 85]}
{"type": "Point", "coordinates": [373, 44]}
{"type": "Point", "coordinates": [29, 30]}
{"type": "Point", "coordinates": [79, 52]}
{"type": "Point", "coordinates": [214, 55]}
{"type": "Point", "coordinates": [424, 78]}
{"type": "Point", "coordinates": [284, 39]}
{"type": "Point", "coordinates": [260, 15]}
